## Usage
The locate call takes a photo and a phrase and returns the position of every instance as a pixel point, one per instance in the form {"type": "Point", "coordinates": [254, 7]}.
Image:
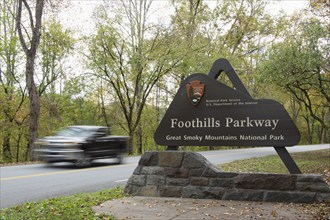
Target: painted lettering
{"type": "Point", "coordinates": [251, 123]}
{"type": "Point", "coordinates": [195, 123]}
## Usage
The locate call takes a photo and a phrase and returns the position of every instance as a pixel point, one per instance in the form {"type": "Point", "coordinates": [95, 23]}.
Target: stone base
{"type": "Point", "coordinates": [190, 175]}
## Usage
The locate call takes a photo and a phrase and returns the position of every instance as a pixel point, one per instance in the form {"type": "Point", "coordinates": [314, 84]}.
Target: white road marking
{"type": "Point", "coordinates": [118, 181]}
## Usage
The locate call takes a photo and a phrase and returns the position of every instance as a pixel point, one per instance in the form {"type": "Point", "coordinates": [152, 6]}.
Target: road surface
{"type": "Point", "coordinates": [19, 184]}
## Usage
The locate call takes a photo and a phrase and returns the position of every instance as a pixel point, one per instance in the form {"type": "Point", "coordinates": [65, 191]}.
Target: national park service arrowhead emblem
{"type": "Point", "coordinates": [195, 91]}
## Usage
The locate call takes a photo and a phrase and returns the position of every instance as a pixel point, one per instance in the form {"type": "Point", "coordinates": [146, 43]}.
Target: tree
{"type": "Point", "coordinates": [241, 31]}
{"type": "Point", "coordinates": [56, 44]}
{"type": "Point", "coordinates": [132, 56]}
{"type": "Point", "coordinates": [299, 65]}
{"type": "Point", "coordinates": [189, 27]}
{"type": "Point", "coordinates": [12, 93]}
{"type": "Point", "coordinates": [30, 41]}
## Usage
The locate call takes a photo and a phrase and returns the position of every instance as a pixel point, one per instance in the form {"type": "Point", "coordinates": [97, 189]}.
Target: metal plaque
{"type": "Point", "coordinates": [206, 112]}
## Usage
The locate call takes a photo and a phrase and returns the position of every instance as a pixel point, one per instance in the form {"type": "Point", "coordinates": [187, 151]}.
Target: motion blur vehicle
{"type": "Point", "coordinates": [81, 145]}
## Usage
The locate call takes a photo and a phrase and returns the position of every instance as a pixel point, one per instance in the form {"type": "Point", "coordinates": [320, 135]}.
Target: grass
{"type": "Point", "coordinates": [76, 207]}
{"type": "Point", "coordinates": [79, 206]}
{"type": "Point", "coordinates": [317, 162]}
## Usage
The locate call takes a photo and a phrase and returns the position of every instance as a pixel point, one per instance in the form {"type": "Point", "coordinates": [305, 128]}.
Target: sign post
{"type": "Point", "coordinates": [206, 112]}
{"type": "Point", "coordinates": [287, 160]}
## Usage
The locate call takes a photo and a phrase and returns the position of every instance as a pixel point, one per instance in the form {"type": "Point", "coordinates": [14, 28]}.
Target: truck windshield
{"type": "Point", "coordinates": [74, 132]}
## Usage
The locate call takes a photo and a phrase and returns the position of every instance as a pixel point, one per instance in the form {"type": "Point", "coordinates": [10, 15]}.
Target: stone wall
{"type": "Point", "coordinates": [190, 175]}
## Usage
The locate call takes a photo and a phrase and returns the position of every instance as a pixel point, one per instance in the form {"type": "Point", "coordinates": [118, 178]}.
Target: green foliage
{"type": "Point", "coordinates": [56, 45]}
{"type": "Point", "coordinates": [13, 111]}
{"type": "Point", "coordinates": [189, 28]}
{"type": "Point", "coordinates": [135, 67]}
{"type": "Point", "coordinates": [75, 207]}
{"type": "Point", "coordinates": [241, 32]}
{"type": "Point", "coordinates": [298, 66]}
{"type": "Point", "coordinates": [131, 56]}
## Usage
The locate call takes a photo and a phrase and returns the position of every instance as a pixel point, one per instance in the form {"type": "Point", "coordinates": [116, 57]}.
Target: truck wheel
{"type": "Point", "coordinates": [49, 163]}
{"type": "Point", "coordinates": [83, 162]}
{"type": "Point", "coordinates": [119, 159]}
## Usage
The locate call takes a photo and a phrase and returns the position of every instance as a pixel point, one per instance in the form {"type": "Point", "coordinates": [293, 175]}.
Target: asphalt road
{"type": "Point", "coordinates": [19, 184]}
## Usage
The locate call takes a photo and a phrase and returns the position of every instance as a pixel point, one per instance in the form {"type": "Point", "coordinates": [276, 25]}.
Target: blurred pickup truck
{"type": "Point", "coordinates": [81, 145]}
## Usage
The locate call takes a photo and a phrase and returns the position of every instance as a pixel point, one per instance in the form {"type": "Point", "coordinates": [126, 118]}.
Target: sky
{"type": "Point", "coordinates": [77, 15]}
{"type": "Point", "coordinates": [288, 6]}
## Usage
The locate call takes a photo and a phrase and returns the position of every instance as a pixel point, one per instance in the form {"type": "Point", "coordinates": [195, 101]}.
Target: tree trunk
{"type": "Point", "coordinates": [30, 46]}
{"type": "Point", "coordinates": [295, 110]}
{"type": "Point", "coordinates": [7, 157]}
{"type": "Point", "coordinates": [130, 143]}
{"type": "Point", "coordinates": [34, 105]}
{"type": "Point", "coordinates": [104, 113]}
{"type": "Point", "coordinates": [139, 134]}
{"type": "Point", "coordinates": [309, 133]}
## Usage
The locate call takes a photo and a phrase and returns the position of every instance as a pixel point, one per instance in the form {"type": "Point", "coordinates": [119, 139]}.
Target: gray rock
{"type": "Point", "coordinates": [309, 178]}
{"type": "Point", "coordinates": [195, 192]}
{"type": "Point", "coordinates": [170, 191]}
{"type": "Point", "coordinates": [138, 180]}
{"type": "Point", "coordinates": [193, 161]}
{"type": "Point", "coordinates": [313, 187]}
{"type": "Point", "coordinates": [221, 182]}
{"type": "Point", "coordinates": [155, 180]}
{"type": "Point", "coordinates": [265, 181]}
{"type": "Point", "coordinates": [152, 170]}
{"type": "Point", "coordinates": [196, 172]}
{"type": "Point", "coordinates": [132, 190]}
{"type": "Point", "coordinates": [148, 191]}
{"type": "Point", "coordinates": [322, 197]}
{"type": "Point", "coordinates": [176, 172]}
{"type": "Point", "coordinates": [149, 159]}
{"type": "Point", "coordinates": [137, 170]}
{"type": "Point", "coordinates": [177, 181]}
{"type": "Point", "coordinates": [170, 159]}
{"type": "Point", "coordinates": [278, 196]}
{"type": "Point", "coordinates": [227, 174]}
{"type": "Point", "coordinates": [190, 175]}
{"type": "Point", "coordinates": [211, 171]}
{"type": "Point", "coordinates": [199, 181]}
{"type": "Point", "coordinates": [243, 194]}
{"type": "Point", "coordinates": [214, 192]}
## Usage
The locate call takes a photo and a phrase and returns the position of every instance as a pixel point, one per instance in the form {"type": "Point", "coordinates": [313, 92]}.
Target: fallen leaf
{"type": "Point", "coordinates": [274, 213]}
